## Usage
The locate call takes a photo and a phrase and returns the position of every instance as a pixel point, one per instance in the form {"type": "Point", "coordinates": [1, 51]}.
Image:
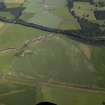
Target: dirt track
{"type": "Point", "coordinates": [59, 84]}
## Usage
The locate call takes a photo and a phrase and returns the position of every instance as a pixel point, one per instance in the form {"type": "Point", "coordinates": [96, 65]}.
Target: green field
{"type": "Point", "coordinates": [12, 94]}
{"type": "Point", "coordinates": [39, 56]}
{"type": "Point", "coordinates": [63, 96]}
{"type": "Point", "coordinates": [50, 13]}
{"type": "Point", "coordinates": [85, 8]}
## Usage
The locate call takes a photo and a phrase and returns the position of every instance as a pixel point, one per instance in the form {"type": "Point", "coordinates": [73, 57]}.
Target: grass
{"type": "Point", "coordinates": [14, 1]}
{"type": "Point", "coordinates": [7, 87]}
{"type": "Point", "coordinates": [63, 96]}
{"type": "Point", "coordinates": [33, 6]}
{"type": "Point", "coordinates": [50, 14]}
{"type": "Point", "coordinates": [46, 19]}
{"type": "Point", "coordinates": [55, 58]}
{"type": "Point", "coordinates": [98, 60]}
{"type": "Point", "coordinates": [17, 35]}
{"type": "Point", "coordinates": [17, 93]}
{"type": "Point", "coordinates": [26, 97]}
{"type": "Point", "coordinates": [5, 63]}
{"type": "Point", "coordinates": [1, 25]}
{"type": "Point", "coordinates": [6, 14]}
{"type": "Point", "coordinates": [85, 8]}
{"type": "Point", "coordinates": [11, 94]}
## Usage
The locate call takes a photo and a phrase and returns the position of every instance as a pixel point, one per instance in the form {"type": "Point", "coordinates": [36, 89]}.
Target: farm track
{"type": "Point", "coordinates": [59, 84]}
{"type": "Point", "coordinates": [7, 50]}
{"type": "Point", "coordinates": [70, 86]}
{"type": "Point", "coordinates": [12, 92]}
{"type": "Point", "coordinates": [26, 43]}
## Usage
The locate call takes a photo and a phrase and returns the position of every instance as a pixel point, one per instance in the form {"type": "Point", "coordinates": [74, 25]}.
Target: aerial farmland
{"type": "Point", "coordinates": [52, 50]}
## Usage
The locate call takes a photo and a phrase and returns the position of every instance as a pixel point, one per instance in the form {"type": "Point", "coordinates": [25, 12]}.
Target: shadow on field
{"type": "Point", "coordinates": [46, 103]}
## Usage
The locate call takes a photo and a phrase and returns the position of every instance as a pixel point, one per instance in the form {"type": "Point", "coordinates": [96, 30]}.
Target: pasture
{"type": "Point", "coordinates": [71, 96]}
{"type": "Point", "coordinates": [42, 56]}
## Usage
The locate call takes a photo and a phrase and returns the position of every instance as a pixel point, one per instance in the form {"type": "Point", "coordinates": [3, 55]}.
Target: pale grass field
{"type": "Point", "coordinates": [14, 1]}
{"type": "Point", "coordinates": [1, 25]}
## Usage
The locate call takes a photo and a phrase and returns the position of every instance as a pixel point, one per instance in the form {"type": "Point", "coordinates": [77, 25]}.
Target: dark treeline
{"type": "Point", "coordinates": [74, 35]}
{"type": "Point", "coordinates": [78, 35]}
